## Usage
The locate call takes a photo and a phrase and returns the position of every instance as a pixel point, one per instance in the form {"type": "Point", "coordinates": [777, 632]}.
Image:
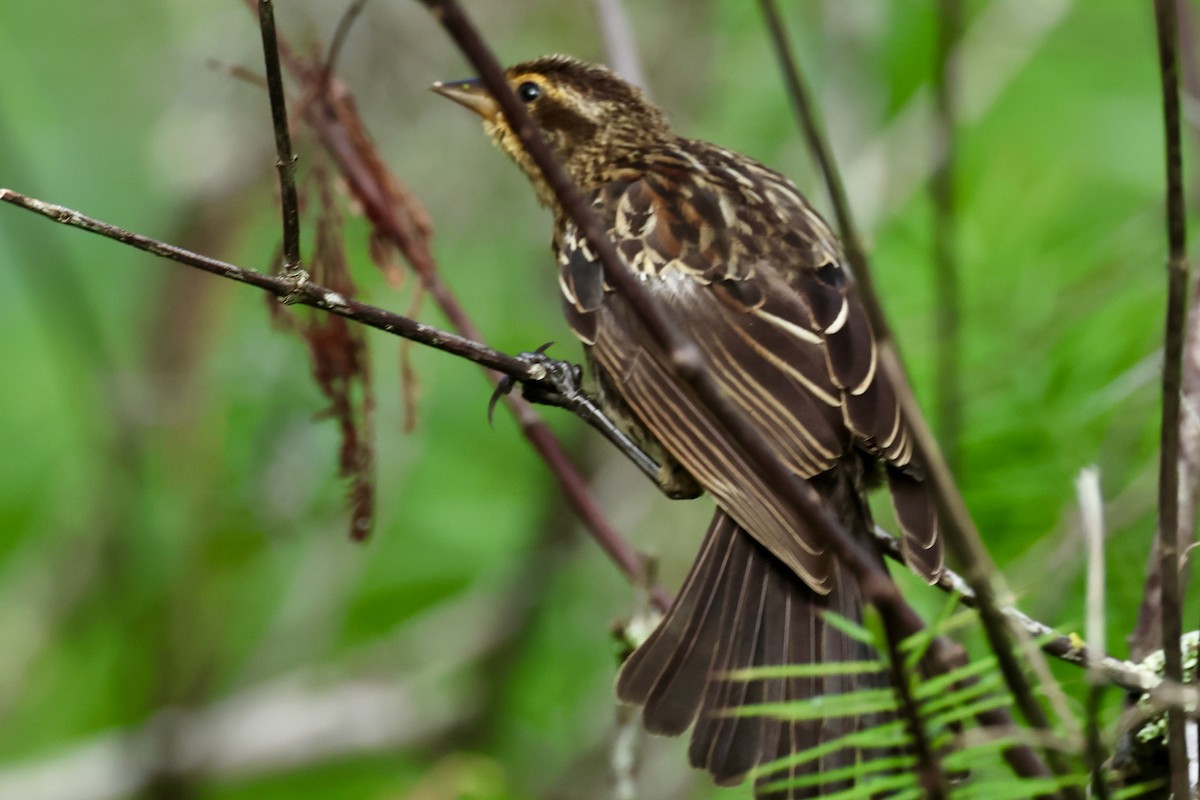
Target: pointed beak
{"type": "Point", "coordinates": [471, 94]}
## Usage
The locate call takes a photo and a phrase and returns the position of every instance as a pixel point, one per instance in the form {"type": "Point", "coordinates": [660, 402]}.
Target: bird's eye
{"type": "Point", "coordinates": [529, 91]}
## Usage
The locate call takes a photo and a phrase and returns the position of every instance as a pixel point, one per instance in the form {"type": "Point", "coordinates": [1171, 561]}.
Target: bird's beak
{"type": "Point", "coordinates": [469, 93]}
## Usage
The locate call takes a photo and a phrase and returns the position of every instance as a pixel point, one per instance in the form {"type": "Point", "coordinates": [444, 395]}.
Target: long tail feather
{"type": "Point", "coordinates": [739, 608]}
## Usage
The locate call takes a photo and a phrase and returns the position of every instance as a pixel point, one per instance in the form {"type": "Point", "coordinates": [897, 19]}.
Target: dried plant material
{"type": "Point", "coordinates": [383, 254]}
{"type": "Point", "coordinates": [410, 385]}
{"type": "Point", "coordinates": [341, 364]}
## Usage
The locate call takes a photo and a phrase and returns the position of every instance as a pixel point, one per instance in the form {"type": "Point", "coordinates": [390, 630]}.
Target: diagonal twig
{"type": "Point", "coordinates": [930, 775]}
{"type": "Point", "coordinates": [962, 538]}
{"type": "Point", "coordinates": [309, 293]}
{"type": "Point", "coordinates": [1070, 649]}
{"type": "Point", "coordinates": [682, 355]}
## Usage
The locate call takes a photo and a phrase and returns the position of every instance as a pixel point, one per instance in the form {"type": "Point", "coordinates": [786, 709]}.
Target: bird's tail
{"type": "Point", "coordinates": [740, 607]}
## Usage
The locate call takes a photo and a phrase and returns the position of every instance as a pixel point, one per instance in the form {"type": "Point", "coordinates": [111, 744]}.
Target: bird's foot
{"type": "Point", "coordinates": [551, 382]}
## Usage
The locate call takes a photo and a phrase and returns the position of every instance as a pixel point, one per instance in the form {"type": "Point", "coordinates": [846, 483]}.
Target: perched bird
{"type": "Point", "coordinates": [738, 261]}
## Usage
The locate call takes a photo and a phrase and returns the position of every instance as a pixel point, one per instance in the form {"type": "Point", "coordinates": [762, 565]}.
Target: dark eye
{"type": "Point", "coordinates": [529, 91]}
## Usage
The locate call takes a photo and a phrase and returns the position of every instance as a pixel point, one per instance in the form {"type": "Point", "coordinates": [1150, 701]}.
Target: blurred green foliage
{"type": "Point", "coordinates": [171, 531]}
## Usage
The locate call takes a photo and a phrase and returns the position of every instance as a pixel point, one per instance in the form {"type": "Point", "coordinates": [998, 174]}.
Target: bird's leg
{"type": "Point", "coordinates": [561, 385]}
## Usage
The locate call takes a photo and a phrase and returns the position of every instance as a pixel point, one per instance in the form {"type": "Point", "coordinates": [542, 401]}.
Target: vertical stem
{"type": "Point", "coordinates": [285, 159]}
{"type": "Point", "coordinates": [1091, 515]}
{"type": "Point", "coordinates": [930, 776]}
{"type": "Point", "coordinates": [948, 397]}
{"type": "Point", "coordinates": [962, 538]}
{"type": "Point", "coordinates": [814, 136]}
{"type": "Point", "coordinates": [1168, 483]}
{"type": "Point", "coordinates": [620, 43]}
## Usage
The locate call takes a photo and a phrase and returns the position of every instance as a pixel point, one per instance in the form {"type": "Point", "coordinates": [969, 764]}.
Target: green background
{"type": "Point", "coordinates": [174, 571]}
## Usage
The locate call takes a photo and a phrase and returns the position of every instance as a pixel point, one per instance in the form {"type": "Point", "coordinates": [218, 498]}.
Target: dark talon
{"type": "Point", "coordinates": [503, 387]}
{"type": "Point", "coordinates": [507, 382]}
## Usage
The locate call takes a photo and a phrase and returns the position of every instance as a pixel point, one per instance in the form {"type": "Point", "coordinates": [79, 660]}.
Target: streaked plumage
{"type": "Point", "coordinates": [739, 262]}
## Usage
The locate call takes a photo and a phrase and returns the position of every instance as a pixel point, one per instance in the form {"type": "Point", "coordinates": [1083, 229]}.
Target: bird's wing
{"type": "Point", "coordinates": [740, 264]}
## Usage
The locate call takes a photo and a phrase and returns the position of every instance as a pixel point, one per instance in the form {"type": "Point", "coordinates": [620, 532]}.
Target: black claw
{"type": "Point", "coordinates": [503, 387]}
{"type": "Point", "coordinates": [507, 382]}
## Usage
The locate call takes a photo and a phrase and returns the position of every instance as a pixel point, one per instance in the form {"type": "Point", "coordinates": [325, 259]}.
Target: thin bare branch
{"type": "Point", "coordinates": [1145, 637]}
{"type": "Point", "coordinates": [521, 368]}
{"type": "Point", "coordinates": [962, 538]}
{"type": "Point", "coordinates": [810, 123]}
{"type": "Point", "coordinates": [1071, 649]}
{"type": "Point", "coordinates": [931, 777]}
{"type": "Point", "coordinates": [947, 296]}
{"type": "Point", "coordinates": [285, 159]}
{"type": "Point", "coordinates": [339, 37]}
{"type": "Point", "coordinates": [308, 293]}
{"type": "Point", "coordinates": [1171, 622]}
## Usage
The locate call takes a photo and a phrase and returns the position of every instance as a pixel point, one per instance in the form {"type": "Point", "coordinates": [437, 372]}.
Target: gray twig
{"type": "Point", "coordinates": [1091, 515]}
{"type": "Point", "coordinates": [620, 44]}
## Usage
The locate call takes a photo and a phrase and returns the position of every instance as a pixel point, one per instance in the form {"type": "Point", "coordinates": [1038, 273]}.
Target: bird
{"type": "Point", "coordinates": [737, 260]}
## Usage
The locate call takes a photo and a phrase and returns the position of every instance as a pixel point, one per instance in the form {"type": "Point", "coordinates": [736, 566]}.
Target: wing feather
{"type": "Point", "coordinates": [783, 333]}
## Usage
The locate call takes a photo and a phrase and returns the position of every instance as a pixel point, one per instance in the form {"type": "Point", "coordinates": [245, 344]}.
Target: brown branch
{"type": "Point", "coordinates": [1168, 481]}
{"type": "Point", "coordinates": [931, 777]}
{"type": "Point", "coordinates": [961, 536]}
{"type": "Point", "coordinates": [1145, 636]}
{"type": "Point", "coordinates": [947, 295]}
{"type": "Point", "coordinates": [285, 161]}
{"type": "Point", "coordinates": [808, 118]}
{"type": "Point", "coordinates": [307, 293]}
{"type": "Point", "coordinates": [338, 351]}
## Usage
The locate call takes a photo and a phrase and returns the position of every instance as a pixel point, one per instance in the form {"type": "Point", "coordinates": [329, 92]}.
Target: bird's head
{"type": "Point", "coordinates": [595, 122]}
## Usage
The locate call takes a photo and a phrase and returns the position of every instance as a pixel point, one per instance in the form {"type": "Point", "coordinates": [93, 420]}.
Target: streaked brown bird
{"type": "Point", "coordinates": [740, 262]}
